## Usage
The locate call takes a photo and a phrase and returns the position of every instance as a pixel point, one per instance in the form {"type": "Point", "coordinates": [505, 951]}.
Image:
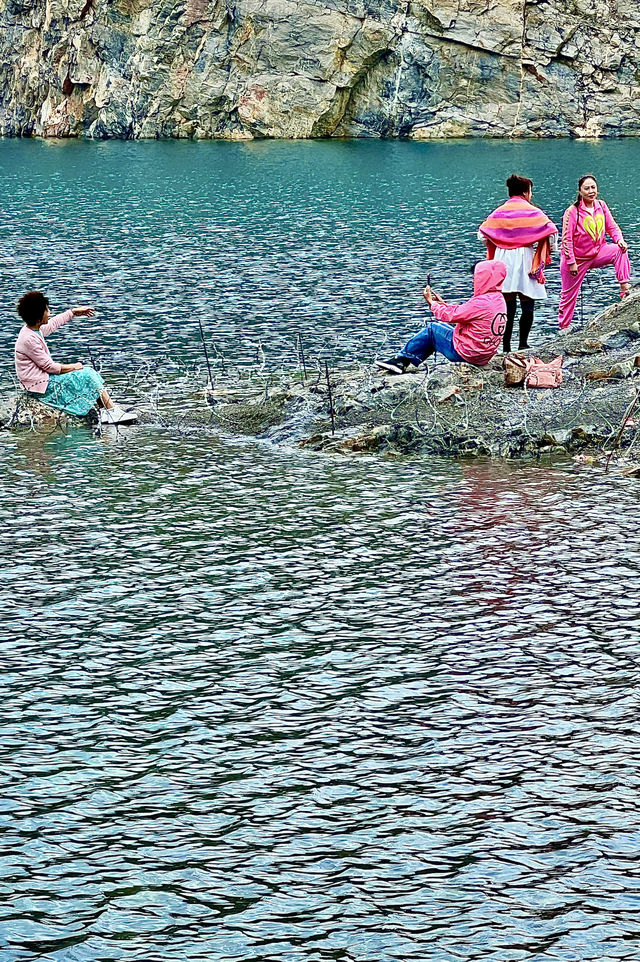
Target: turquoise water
{"type": "Point", "coordinates": [259, 703]}
{"type": "Point", "coordinates": [263, 241]}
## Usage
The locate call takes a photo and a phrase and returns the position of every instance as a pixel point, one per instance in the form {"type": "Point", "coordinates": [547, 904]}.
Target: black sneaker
{"type": "Point", "coordinates": [394, 365]}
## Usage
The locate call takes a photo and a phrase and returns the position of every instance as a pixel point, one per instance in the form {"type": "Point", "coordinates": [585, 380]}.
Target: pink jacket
{"type": "Point", "coordinates": [479, 322]}
{"type": "Point", "coordinates": [583, 231]}
{"type": "Point", "coordinates": [34, 364]}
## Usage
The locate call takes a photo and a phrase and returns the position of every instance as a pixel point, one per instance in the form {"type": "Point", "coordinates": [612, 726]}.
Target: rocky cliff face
{"type": "Point", "coordinates": [239, 69]}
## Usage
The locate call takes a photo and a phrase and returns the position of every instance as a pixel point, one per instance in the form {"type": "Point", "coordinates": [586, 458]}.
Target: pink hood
{"type": "Point", "coordinates": [488, 276]}
{"type": "Point", "coordinates": [479, 323]}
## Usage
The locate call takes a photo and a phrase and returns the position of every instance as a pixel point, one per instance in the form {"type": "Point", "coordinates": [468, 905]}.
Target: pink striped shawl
{"type": "Point", "coordinates": [517, 223]}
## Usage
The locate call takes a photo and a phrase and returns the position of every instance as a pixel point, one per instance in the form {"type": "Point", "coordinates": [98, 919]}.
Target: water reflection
{"type": "Point", "coordinates": [265, 704]}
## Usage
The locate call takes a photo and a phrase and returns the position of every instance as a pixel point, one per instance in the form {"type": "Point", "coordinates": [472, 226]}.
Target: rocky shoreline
{"type": "Point", "coordinates": [455, 409]}
{"type": "Point", "coordinates": [444, 409]}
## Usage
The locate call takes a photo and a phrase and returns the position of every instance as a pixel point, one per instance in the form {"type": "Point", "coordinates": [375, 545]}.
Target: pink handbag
{"type": "Point", "coordinates": [541, 374]}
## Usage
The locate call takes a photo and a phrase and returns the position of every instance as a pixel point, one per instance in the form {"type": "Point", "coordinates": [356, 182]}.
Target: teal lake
{"type": "Point", "coordinates": [263, 703]}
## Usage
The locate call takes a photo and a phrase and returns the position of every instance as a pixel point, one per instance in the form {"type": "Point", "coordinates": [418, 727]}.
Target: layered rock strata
{"type": "Point", "coordinates": [239, 69]}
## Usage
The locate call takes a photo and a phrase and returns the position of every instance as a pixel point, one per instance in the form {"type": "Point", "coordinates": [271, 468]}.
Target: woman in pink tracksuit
{"type": "Point", "coordinates": [470, 332]}
{"type": "Point", "coordinates": [584, 227]}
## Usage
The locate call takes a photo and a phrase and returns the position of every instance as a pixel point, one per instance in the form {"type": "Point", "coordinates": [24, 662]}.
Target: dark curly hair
{"type": "Point", "coordinates": [31, 307]}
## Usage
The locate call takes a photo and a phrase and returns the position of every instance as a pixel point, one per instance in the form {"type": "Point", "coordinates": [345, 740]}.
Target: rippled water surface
{"type": "Point", "coordinates": [259, 703]}
{"type": "Point", "coordinates": [265, 241]}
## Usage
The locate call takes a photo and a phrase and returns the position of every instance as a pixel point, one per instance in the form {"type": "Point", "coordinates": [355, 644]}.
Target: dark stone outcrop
{"type": "Point", "coordinates": [454, 408]}
{"type": "Point", "coordinates": [442, 408]}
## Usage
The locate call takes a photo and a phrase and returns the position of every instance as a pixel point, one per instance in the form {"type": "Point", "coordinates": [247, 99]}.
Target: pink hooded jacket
{"type": "Point", "coordinates": [34, 364]}
{"type": "Point", "coordinates": [479, 322]}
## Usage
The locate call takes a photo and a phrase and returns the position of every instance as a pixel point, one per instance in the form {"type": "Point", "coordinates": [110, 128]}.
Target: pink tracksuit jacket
{"type": "Point", "coordinates": [583, 231]}
{"type": "Point", "coordinates": [480, 321]}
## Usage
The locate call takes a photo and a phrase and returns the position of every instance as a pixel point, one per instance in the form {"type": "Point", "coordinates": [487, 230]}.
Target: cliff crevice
{"type": "Point", "coordinates": [241, 69]}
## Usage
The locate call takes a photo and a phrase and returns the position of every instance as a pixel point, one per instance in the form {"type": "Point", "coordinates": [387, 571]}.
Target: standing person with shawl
{"type": "Point", "coordinates": [522, 237]}
{"type": "Point", "coordinates": [584, 228]}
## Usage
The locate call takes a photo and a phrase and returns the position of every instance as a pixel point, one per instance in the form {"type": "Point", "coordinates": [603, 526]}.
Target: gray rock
{"type": "Point", "coordinates": [20, 410]}
{"type": "Point", "coordinates": [239, 69]}
{"type": "Point", "coordinates": [454, 409]}
{"type": "Point", "coordinates": [457, 408]}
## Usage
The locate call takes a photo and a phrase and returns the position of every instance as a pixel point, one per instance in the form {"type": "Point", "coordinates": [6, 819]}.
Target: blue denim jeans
{"type": "Point", "coordinates": [434, 337]}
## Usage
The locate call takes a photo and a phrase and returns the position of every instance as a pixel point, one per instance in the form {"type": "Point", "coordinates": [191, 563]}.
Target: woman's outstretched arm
{"type": "Point", "coordinates": [56, 322]}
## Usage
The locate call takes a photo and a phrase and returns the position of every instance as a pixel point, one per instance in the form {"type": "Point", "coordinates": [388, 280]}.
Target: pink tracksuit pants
{"type": "Point", "coordinates": [571, 283]}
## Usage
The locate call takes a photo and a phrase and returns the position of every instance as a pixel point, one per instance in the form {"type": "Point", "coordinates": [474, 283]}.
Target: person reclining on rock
{"type": "Point", "coordinates": [71, 388]}
{"type": "Point", "coordinates": [470, 332]}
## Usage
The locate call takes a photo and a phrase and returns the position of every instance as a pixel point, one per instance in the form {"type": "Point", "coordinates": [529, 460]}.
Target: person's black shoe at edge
{"type": "Point", "coordinates": [394, 365]}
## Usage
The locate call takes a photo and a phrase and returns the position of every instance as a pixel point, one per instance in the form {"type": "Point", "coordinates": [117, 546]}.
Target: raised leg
{"type": "Point", "coordinates": [434, 337]}
{"type": "Point", "coordinates": [611, 254]}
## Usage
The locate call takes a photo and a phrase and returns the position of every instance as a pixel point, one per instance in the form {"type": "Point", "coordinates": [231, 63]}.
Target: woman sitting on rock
{"type": "Point", "coordinates": [471, 332]}
{"type": "Point", "coordinates": [71, 388]}
{"type": "Point", "coordinates": [584, 228]}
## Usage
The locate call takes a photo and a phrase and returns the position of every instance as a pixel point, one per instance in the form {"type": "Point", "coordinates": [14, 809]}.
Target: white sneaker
{"type": "Point", "coordinates": [117, 415]}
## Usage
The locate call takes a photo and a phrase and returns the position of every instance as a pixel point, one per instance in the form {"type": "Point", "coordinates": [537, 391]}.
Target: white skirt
{"type": "Point", "coordinates": [518, 263]}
